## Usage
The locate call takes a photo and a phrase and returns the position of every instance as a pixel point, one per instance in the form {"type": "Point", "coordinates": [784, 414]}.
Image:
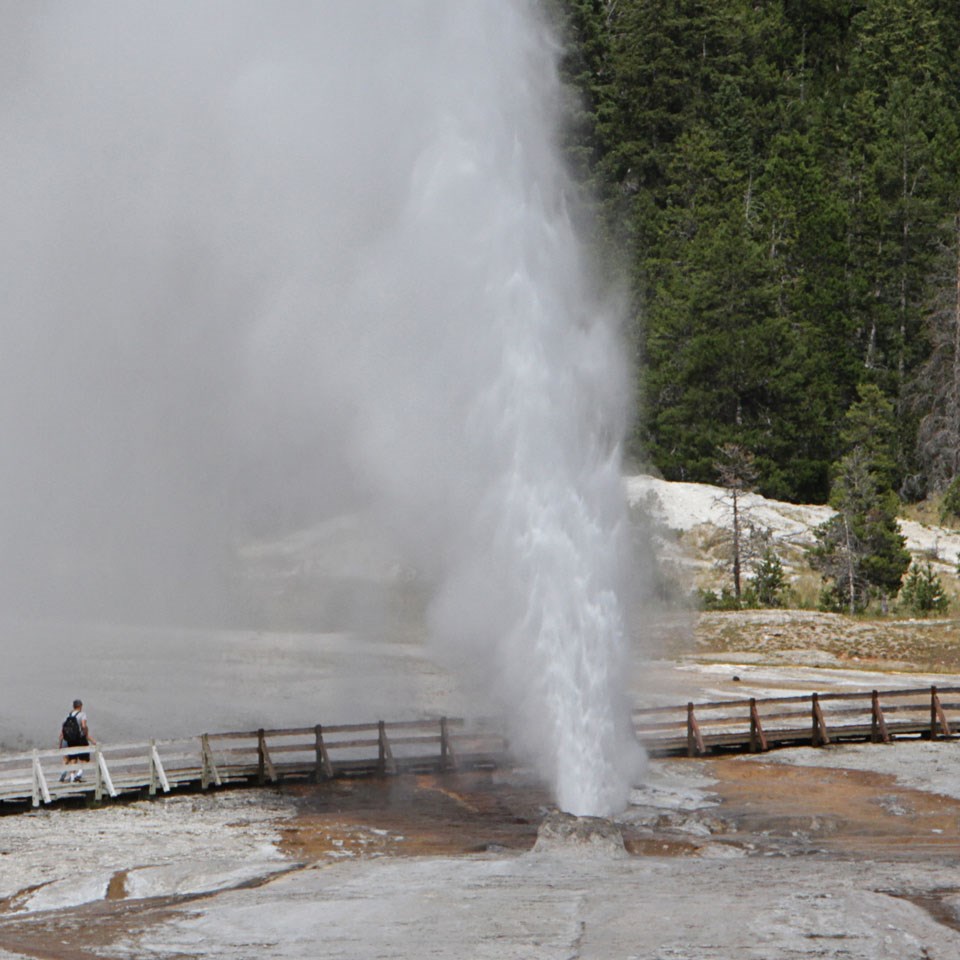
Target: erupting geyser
{"type": "Point", "coordinates": [516, 395]}
{"type": "Point", "coordinates": [266, 263]}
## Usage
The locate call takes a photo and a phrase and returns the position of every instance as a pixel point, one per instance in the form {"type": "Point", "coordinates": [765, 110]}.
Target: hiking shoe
{"type": "Point", "coordinates": [64, 776]}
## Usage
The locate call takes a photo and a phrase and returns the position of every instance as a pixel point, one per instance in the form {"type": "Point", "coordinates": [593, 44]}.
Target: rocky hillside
{"type": "Point", "coordinates": [687, 520]}
{"type": "Point", "coordinates": [341, 575]}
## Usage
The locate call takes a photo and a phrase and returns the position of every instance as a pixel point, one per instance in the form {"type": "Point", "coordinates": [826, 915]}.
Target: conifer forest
{"type": "Point", "coordinates": [775, 184]}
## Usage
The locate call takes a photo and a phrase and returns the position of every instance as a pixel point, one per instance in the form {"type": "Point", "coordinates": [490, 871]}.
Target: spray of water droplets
{"type": "Point", "coordinates": [265, 264]}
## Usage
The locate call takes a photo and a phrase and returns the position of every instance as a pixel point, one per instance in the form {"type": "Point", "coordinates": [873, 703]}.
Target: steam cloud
{"type": "Point", "coordinates": [267, 263]}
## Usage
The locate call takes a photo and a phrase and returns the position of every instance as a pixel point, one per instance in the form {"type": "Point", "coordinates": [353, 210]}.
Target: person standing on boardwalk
{"type": "Point", "coordinates": [74, 732]}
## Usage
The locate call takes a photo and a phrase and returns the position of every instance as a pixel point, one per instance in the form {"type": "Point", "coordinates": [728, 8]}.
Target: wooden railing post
{"type": "Point", "coordinates": [819, 735]}
{"type": "Point", "coordinates": [152, 786]}
{"type": "Point", "coordinates": [204, 764]}
{"type": "Point", "coordinates": [758, 741]}
{"type": "Point", "coordinates": [261, 756]}
{"type": "Point", "coordinates": [937, 716]}
{"type": "Point", "coordinates": [103, 772]}
{"type": "Point", "coordinates": [385, 762]}
{"type": "Point", "coordinates": [448, 760]}
{"type": "Point", "coordinates": [695, 745]}
{"type": "Point", "coordinates": [878, 726]}
{"type": "Point", "coordinates": [158, 776]}
{"type": "Point", "coordinates": [323, 758]}
{"type": "Point", "coordinates": [40, 789]}
{"type": "Point", "coordinates": [35, 784]}
{"type": "Point", "coordinates": [98, 776]}
{"type": "Point", "coordinates": [381, 752]}
{"type": "Point", "coordinates": [318, 752]}
{"type": "Point", "coordinates": [208, 770]}
{"type": "Point", "coordinates": [932, 734]}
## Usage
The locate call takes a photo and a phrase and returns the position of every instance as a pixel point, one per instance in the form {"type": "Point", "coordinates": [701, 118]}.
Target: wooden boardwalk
{"type": "Point", "coordinates": [347, 750]}
{"type": "Point", "coordinates": [756, 725]}
{"type": "Point", "coordinates": [245, 758]}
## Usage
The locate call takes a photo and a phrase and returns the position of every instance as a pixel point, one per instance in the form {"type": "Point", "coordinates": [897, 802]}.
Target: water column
{"type": "Point", "coordinates": [509, 401]}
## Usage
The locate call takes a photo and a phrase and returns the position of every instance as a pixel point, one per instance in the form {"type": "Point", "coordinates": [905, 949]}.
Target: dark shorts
{"type": "Point", "coordinates": [80, 757]}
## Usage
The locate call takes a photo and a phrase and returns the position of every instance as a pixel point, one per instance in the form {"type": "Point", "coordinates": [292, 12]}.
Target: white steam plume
{"type": "Point", "coordinates": [267, 262]}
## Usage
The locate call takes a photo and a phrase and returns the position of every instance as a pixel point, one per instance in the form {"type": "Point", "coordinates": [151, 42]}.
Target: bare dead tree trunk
{"type": "Point", "coordinates": [736, 544]}
{"type": "Point", "coordinates": [954, 403]}
{"type": "Point", "coordinates": [738, 474]}
{"type": "Point", "coordinates": [850, 567]}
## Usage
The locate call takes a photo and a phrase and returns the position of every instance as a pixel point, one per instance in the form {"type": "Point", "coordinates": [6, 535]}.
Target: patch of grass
{"type": "Point", "coordinates": [931, 646]}
{"type": "Point", "coordinates": [925, 511]}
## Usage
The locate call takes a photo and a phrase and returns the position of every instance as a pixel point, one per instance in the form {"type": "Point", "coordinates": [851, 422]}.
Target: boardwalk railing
{"type": "Point", "coordinates": [324, 752]}
{"type": "Point", "coordinates": [756, 725]}
{"type": "Point", "coordinates": [258, 756]}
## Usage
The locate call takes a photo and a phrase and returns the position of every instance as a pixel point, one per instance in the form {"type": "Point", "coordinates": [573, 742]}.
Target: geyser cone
{"type": "Point", "coordinates": [563, 834]}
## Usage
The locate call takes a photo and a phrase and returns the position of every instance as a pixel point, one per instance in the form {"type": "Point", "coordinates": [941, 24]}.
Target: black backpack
{"type": "Point", "coordinates": [71, 731]}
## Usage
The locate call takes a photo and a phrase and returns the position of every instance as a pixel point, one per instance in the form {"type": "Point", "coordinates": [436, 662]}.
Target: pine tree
{"type": "Point", "coordinates": [869, 427]}
{"type": "Point", "coordinates": [768, 584]}
{"type": "Point", "coordinates": [936, 389]}
{"type": "Point", "coordinates": [923, 591]}
{"type": "Point", "coordinates": [839, 546]}
{"type": "Point", "coordinates": [860, 552]}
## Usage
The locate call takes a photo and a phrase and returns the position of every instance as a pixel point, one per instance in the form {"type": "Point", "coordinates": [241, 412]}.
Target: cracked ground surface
{"type": "Point", "coordinates": [729, 857]}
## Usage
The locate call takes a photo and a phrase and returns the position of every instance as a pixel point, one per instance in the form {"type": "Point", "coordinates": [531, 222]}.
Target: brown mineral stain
{"type": "Point", "coordinates": [846, 812]}
{"type": "Point", "coordinates": [446, 815]}
{"type": "Point", "coordinates": [117, 887]}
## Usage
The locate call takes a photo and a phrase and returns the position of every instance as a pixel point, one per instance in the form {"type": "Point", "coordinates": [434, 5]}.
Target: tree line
{"type": "Point", "coordinates": [777, 183]}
